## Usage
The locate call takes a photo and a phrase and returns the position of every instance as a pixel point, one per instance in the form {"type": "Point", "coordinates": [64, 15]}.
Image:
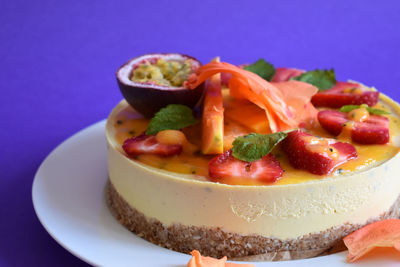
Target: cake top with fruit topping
{"type": "Point", "coordinates": [261, 125]}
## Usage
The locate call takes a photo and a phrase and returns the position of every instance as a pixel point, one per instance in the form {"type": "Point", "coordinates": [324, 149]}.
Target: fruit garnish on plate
{"type": "Point", "coordinates": [384, 233]}
{"type": "Point", "coordinates": [151, 82]}
{"type": "Point", "coordinates": [198, 260]}
{"type": "Point", "coordinates": [316, 154]}
{"type": "Point", "coordinates": [365, 125]}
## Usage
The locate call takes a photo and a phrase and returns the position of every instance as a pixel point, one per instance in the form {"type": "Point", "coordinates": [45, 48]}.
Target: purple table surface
{"type": "Point", "coordinates": [58, 60]}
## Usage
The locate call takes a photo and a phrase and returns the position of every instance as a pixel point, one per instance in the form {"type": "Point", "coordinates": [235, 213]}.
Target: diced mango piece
{"type": "Point", "coordinates": [249, 115]}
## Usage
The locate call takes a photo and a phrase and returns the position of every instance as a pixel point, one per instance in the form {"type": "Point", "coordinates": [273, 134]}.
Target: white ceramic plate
{"type": "Point", "coordinates": [69, 199]}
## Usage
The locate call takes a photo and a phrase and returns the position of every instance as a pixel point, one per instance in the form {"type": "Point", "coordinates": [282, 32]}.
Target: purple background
{"type": "Point", "coordinates": [58, 60]}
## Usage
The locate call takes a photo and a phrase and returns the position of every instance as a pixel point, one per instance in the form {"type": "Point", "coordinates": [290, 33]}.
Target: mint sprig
{"type": "Point", "coordinates": [374, 111]}
{"type": "Point", "coordinates": [172, 117]}
{"type": "Point", "coordinates": [322, 79]}
{"type": "Point", "coordinates": [262, 68]}
{"type": "Point", "coordinates": [254, 146]}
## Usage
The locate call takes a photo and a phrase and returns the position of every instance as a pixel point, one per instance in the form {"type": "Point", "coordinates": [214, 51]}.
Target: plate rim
{"type": "Point", "coordinates": [35, 184]}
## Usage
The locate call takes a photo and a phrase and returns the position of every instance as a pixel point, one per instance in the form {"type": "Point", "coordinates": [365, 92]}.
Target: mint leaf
{"type": "Point", "coordinates": [262, 68]}
{"type": "Point", "coordinates": [322, 79]}
{"type": "Point", "coordinates": [172, 117]}
{"type": "Point", "coordinates": [254, 146]}
{"type": "Point", "coordinates": [348, 108]}
{"type": "Point", "coordinates": [375, 111]}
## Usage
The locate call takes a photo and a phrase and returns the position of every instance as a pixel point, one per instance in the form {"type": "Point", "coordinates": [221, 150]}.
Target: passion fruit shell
{"type": "Point", "coordinates": [148, 98]}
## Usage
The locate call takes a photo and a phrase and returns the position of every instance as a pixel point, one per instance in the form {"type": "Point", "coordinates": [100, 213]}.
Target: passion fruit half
{"type": "Point", "coordinates": [151, 82]}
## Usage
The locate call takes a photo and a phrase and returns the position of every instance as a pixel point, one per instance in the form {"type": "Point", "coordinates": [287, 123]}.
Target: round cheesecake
{"type": "Point", "coordinates": [184, 212]}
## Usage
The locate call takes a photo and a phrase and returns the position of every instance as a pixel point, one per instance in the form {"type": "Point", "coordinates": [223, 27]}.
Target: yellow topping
{"type": "Point", "coordinates": [370, 155]}
{"type": "Point", "coordinates": [345, 134]}
{"type": "Point", "coordinates": [189, 163]}
{"type": "Point", "coordinates": [359, 114]}
{"type": "Point", "coordinates": [321, 146]}
{"type": "Point", "coordinates": [127, 124]}
{"type": "Point", "coordinates": [183, 163]}
{"type": "Point", "coordinates": [357, 91]}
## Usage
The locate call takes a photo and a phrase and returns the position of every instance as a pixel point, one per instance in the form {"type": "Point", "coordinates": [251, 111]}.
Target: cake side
{"type": "Point", "coordinates": [217, 242]}
{"type": "Point", "coordinates": [263, 210]}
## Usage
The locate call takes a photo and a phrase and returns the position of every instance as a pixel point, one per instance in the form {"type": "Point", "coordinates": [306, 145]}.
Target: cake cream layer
{"type": "Point", "coordinates": [281, 211]}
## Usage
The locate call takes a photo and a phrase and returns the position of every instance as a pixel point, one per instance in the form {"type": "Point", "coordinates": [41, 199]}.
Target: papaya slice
{"type": "Point", "coordinates": [232, 129]}
{"type": "Point", "coordinates": [384, 233]}
{"type": "Point", "coordinates": [249, 115]}
{"type": "Point", "coordinates": [213, 116]}
{"type": "Point", "coordinates": [198, 260]}
{"type": "Point", "coordinates": [272, 99]}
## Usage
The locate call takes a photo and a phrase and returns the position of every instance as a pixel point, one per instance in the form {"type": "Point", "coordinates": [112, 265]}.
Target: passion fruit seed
{"type": "Point", "coordinates": [147, 73]}
{"type": "Point", "coordinates": [165, 73]}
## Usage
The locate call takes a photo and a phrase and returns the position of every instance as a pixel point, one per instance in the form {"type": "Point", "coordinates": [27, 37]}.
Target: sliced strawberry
{"type": "Point", "coordinates": [374, 130]}
{"type": "Point", "coordinates": [225, 165]}
{"type": "Point", "coordinates": [332, 121]}
{"type": "Point", "coordinates": [284, 74]}
{"type": "Point", "coordinates": [314, 154]}
{"type": "Point", "coordinates": [342, 94]}
{"type": "Point", "coordinates": [148, 144]}
{"type": "Point", "coordinates": [341, 86]}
